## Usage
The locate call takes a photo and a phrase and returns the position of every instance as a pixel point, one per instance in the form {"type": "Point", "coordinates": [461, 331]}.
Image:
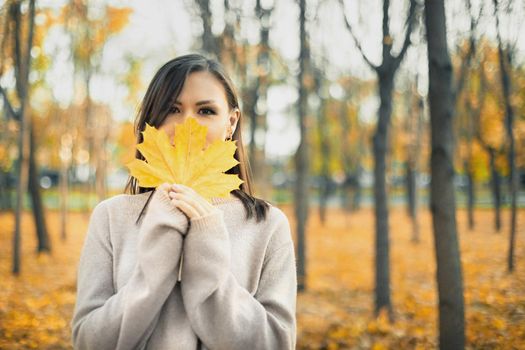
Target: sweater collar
{"type": "Point", "coordinates": [213, 200]}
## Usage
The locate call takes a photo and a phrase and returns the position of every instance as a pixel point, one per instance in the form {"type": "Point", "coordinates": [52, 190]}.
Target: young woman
{"type": "Point", "coordinates": [236, 285]}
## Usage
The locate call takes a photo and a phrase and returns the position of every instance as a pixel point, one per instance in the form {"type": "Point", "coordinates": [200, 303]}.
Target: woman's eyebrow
{"type": "Point", "coordinates": [204, 102]}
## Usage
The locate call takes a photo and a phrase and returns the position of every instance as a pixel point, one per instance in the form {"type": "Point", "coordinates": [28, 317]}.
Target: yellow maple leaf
{"type": "Point", "coordinates": [187, 162]}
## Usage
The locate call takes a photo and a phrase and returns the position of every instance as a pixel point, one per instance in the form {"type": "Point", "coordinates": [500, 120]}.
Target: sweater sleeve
{"type": "Point", "coordinates": [223, 313]}
{"type": "Point", "coordinates": [104, 319]}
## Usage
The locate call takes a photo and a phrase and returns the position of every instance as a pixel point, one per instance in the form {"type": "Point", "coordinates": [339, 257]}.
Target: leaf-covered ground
{"type": "Point", "coordinates": [335, 312]}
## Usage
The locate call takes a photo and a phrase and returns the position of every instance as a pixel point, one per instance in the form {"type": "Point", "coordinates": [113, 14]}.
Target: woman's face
{"type": "Point", "coordinates": [204, 98]}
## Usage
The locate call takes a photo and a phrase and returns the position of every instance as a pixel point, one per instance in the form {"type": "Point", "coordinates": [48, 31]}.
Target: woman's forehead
{"type": "Point", "coordinates": [202, 86]}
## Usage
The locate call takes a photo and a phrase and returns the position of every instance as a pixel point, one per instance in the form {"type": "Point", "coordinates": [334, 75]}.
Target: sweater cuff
{"type": "Point", "coordinates": [161, 196]}
{"type": "Point", "coordinates": [160, 211]}
{"type": "Point", "coordinates": [210, 223]}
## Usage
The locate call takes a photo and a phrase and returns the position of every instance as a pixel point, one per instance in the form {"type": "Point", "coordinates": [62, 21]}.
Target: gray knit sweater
{"type": "Point", "coordinates": [237, 287]}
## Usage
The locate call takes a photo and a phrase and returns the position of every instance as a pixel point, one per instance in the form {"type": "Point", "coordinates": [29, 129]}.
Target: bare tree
{"type": "Point", "coordinates": [504, 59]}
{"type": "Point", "coordinates": [27, 174]}
{"type": "Point", "coordinates": [257, 92]}
{"type": "Point", "coordinates": [495, 178]}
{"type": "Point", "coordinates": [492, 151]}
{"type": "Point", "coordinates": [43, 240]}
{"type": "Point", "coordinates": [22, 66]}
{"type": "Point", "coordinates": [466, 58]}
{"type": "Point", "coordinates": [442, 201]}
{"type": "Point", "coordinates": [301, 155]}
{"type": "Point", "coordinates": [209, 41]}
{"type": "Point", "coordinates": [468, 54]}
{"type": "Point", "coordinates": [20, 54]}
{"type": "Point", "coordinates": [351, 153]}
{"type": "Point", "coordinates": [414, 126]}
{"type": "Point", "coordinates": [386, 72]}
{"type": "Point", "coordinates": [325, 184]}
{"type": "Point", "coordinates": [467, 129]}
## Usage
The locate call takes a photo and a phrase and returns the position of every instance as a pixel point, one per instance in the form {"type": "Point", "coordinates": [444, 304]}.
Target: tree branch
{"type": "Point", "coordinates": [31, 33]}
{"type": "Point", "coordinates": [8, 105]}
{"type": "Point", "coordinates": [387, 38]}
{"type": "Point", "coordinates": [411, 20]}
{"type": "Point", "coordinates": [467, 58]}
{"type": "Point", "coordinates": [356, 42]}
{"type": "Point", "coordinates": [18, 64]}
{"type": "Point", "coordinates": [476, 114]}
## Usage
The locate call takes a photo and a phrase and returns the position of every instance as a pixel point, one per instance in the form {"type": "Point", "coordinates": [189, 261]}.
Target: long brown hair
{"type": "Point", "coordinates": [163, 90]}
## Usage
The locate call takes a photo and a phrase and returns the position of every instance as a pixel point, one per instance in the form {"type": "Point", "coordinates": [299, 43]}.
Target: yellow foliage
{"type": "Point", "coordinates": [5, 159]}
{"type": "Point", "coordinates": [492, 122]}
{"type": "Point", "coordinates": [117, 18]}
{"type": "Point", "coordinates": [380, 325]}
{"type": "Point", "coordinates": [352, 141]}
{"type": "Point", "coordinates": [125, 143]}
{"type": "Point", "coordinates": [479, 163]}
{"type": "Point", "coordinates": [91, 34]}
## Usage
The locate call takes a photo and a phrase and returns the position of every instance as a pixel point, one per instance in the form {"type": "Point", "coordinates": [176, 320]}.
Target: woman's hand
{"type": "Point", "coordinates": [189, 201]}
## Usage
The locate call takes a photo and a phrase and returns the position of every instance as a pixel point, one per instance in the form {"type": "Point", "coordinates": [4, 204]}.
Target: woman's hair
{"type": "Point", "coordinates": [163, 90]}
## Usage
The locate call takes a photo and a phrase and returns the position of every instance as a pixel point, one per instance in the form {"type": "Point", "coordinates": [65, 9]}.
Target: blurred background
{"type": "Point", "coordinates": [338, 133]}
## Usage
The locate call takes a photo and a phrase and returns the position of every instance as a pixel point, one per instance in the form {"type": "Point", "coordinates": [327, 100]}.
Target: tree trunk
{"type": "Point", "coordinates": [22, 180]}
{"type": "Point", "coordinates": [442, 201]}
{"type": "Point", "coordinates": [346, 160]}
{"type": "Point", "coordinates": [209, 42]}
{"type": "Point", "coordinates": [504, 58]}
{"type": "Point", "coordinates": [495, 182]}
{"type": "Point", "coordinates": [101, 138]}
{"type": "Point", "coordinates": [467, 164]}
{"type": "Point", "coordinates": [65, 155]}
{"type": "Point", "coordinates": [412, 199]}
{"type": "Point", "coordinates": [63, 199]}
{"type": "Point", "coordinates": [382, 242]}
{"type": "Point", "coordinates": [325, 187]}
{"type": "Point", "coordinates": [250, 106]}
{"type": "Point", "coordinates": [301, 156]}
{"type": "Point", "coordinates": [324, 193]}
{"type": "Point", "coordinates": [410, 188]}
{"type": "Point", "coordinates": [44, 243]}
{"type": "Point", "coordinates": [22, 67]}
{"type": "Point", "coordinates": [256, 92]}
{"type": "Point", "coordinates": [5, 191]}
{"type": "Point", "coordinates": [90, 186]}
{"type": "Point", "coordinates": [385, 72]}
{"type": "Point", "coordinates": [357, 192]}
{"type": "Point", "coordinates": [414, 127]}
{"type": "Point", "coordinates": [470, 195]}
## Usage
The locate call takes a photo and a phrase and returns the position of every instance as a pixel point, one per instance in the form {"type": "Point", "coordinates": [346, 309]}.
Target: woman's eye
{"type": "Point", "coordinates": [173, 109]}
{"type": "Point", "coordinates": [207, 111]}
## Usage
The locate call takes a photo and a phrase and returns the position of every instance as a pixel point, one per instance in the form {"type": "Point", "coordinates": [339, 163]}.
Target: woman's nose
{"type": "Point", "coordinates": [184, 116]}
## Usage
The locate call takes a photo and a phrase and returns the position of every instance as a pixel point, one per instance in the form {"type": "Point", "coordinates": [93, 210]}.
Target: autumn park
{"type": "Point", "coordinates": [391, 134]}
